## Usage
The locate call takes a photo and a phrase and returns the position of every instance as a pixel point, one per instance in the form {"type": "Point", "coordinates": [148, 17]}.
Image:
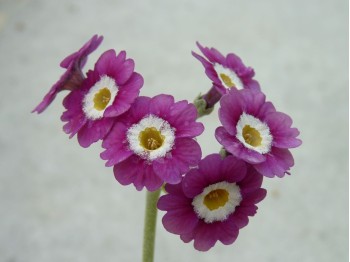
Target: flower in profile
{"type": "Point", "coordinates": [73, 76]}
{"type": "Point", "coordinates": [153, 142]}
{"type": "Point", "coordinates": [212, 202]}
{"type": "Point", "coordinates": [226, 72]}
{"type": "Point", "coordinates": [255, 132]}
{"type": "Point", "coordinates": [107, 92]}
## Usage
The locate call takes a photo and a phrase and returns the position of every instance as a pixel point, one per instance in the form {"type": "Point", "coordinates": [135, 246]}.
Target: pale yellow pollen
{"type": "Point", "coordinates": [102, 98]}
{"type": "Point", "coordinates": [227, 80]}
{"type": "Point", "coordinates": [216, 198]}
{"type": "Point", "coordinates": [251, 136]}
{"type": "Point", "coordinates": [151, 138]}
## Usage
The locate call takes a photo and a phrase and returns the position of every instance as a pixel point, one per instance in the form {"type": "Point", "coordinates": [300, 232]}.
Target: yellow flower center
{"type": "Point", "coordinates": [227, 80]}
{"type": "Point", "coordinates": [216, 198]}
{"type": "Point", "coordinates": [251, 136]}
{"type": "Point", "coordinates": [102, 98]}
{"type": "Point", "coordinates": [151, 138]}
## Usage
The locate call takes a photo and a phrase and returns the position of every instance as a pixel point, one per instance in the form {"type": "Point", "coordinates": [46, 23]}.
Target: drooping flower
{"type": "Point", "coordinates": [73, 76]}
{"type": "Point", "coordinates": [255, 132]}
{"type": "Point", "coordinates": [107, 92]}
{"type": "Point", "coordinates": [212, 202]}
{"type": "Point", "coordinates": [226, 72]}
{"type": "Point", "coordinates": [153, 142]}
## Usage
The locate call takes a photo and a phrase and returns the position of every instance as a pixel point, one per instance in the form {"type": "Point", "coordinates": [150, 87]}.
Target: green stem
{"type": "Point", "coordinates": [149, 232]}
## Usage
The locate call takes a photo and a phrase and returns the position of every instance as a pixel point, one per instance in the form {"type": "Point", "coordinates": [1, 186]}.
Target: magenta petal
{"type": "Point", "coordinates": [233, 170]}
{"type": "Point", "coordinates": [204, 237]}
{"type": "Point", "coordinates": [253, 101]}
{"type": "Point", "coordinates": [180, 221]}
{"type": "Point", "coordinates": [183, 116]}
{"type": "Point", "coordinates": [106, 63]}
{"type": "Point", "coordinates": [251, 181]}
{"type": "Point", "coordinates": [160, 105]}
{"type": "Point", "coordinates": [277, 163]}
{"type": "Point", "coordinates": [194, 183]}
{"type": "Point", "coordinates": [150, 179]}
{"type": "Point", "coordinates": [74, 124]}
{"type": "Point", "coordinates": [125, 73]}
{"type": "Point", "coordinates": [70, 80]}
{"type": "Point", "coordinates": [116, 145]}
{"type": "Point", "coordinates": [265, 109]}
{"type": "Point", "coordinates": [230, 111]}
{"type": "Point", "coordinates": [139, 109]}
{"type": "Point", "coordinates": [135, 170]}
{"type": "Point", "coordinates": [227, 231]}
{"type": "Point", "coordinates": [83, 52]}
{"type": "Point", "coordinates": [254, 197]}
{"type": "Point", "coordinates": [280, 126]}
{"type": "Point", "coordinates": [49, 97]}
{"type": "Point", "coordinates": [201, 59]}
{"type": "Point", "coordinates": [173, 202]}
{"type": "Point", "coordinates": [241, 220]}
{"type": "Point", "coordinates": [210, 167]}
{"type": "Point", "coordinates": [174, 189]}
{"type": "Point", "coordinates": [253, 85]}
{"type": "Point", "coordinates": [187, 237]}
{"type": "Point", "coordinates": [168, 171]}
{"type": "Point", "coordinates": [93, 131]}
{"type": "Point", "coordinates": [233, 61]}
{"type": "Point", "coordinates": [212, 54]}
{"type": "Point", "coordinates": [126, 171]}
{"type": "Point", "coordinates": [187, 153]}
{"type": "Point", "coordinates": [249, 210]}
{"type": "Point", "coordinates": [73, 77]}
{"type": "Point", "coordinates": [74, 116]}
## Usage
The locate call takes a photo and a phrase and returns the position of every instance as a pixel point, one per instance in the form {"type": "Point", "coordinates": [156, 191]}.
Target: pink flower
{"type": "Point", "coordinates": [153, 142]}
{"type": "Point", "coordinates": [212, 202]}
{"type": "Point", "coordinates": [226, 72]}
{"type": "Point", "coordinates": [107, 92]}
{"type": "Point", "coordinates": [255, 132]}
{"type": "Point", "coordinates": [73, 77]}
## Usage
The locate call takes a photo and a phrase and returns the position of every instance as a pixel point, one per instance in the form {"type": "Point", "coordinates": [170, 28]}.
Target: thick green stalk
{"type": "Point", "coordinates": [149, 232]}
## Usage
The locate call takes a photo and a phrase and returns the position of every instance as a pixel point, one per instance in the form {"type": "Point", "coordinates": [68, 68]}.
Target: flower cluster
{"type": "Point", "coordinates": [151, 142]}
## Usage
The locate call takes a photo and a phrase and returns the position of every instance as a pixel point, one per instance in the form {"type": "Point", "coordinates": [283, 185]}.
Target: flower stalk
{"type": "Point", "coordinates": [149, 232]}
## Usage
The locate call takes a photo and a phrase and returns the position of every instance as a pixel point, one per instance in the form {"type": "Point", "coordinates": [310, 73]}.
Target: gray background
{"type": "Point", "coordinates": [59, 203]}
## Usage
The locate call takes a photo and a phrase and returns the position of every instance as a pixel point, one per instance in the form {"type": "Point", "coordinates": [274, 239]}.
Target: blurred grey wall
{"type": "Point", "coordinates": [58, 201]}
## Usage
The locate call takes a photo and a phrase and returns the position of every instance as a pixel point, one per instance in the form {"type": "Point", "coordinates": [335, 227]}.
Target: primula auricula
{"type": "Point", "coordinates": [151, 141]}
{"type": "Point", "coordinates": [225, 72]}
{"type": "Point", "coordinates": [108, 91]}
{"type": "Point", "coordinates": [73, 77]}
{"type": "Point", "coordinates": [255, 132]}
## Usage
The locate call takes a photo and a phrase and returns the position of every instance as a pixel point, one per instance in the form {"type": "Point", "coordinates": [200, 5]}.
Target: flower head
{"type": "Point", "coordinates": [107, 92]}
{"type": "Point", "coordinates": [212, 202]}
{"type": "Point", "coordinates": [226, 72]}
{"type": "Point", "coordinates": [255, 132]}
{"type": "Point", "coordinates": [73, 77]}
{"type": "Point", "coordinates": [153, 142]}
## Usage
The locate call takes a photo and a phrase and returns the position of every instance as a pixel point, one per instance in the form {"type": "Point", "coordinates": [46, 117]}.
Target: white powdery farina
{"type": "Point", "coordinates": [221, 213]}
{"type": "Point", "coordinates": [88, 103]}
{"type": "Point", "coordinates": [261, 127]}
{"type": "Point", "coordinates": [230, 74]}
{"type": "Point", "coordinates": [168, 132]}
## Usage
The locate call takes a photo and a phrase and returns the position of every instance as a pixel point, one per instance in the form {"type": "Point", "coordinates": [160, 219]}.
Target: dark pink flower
{"type": "Point", "coordinates": [153, 142]}
{"type": "Point", "coordinates": [107, 92]}
{"type": "Point", "coordinates": [226, 72]}
{"type": "Point", "coordinates": [73, 77]}
{"type": "Point", "coordinates": [212, 202]}
{"type": "Point", "coordinates": [255, 132]}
